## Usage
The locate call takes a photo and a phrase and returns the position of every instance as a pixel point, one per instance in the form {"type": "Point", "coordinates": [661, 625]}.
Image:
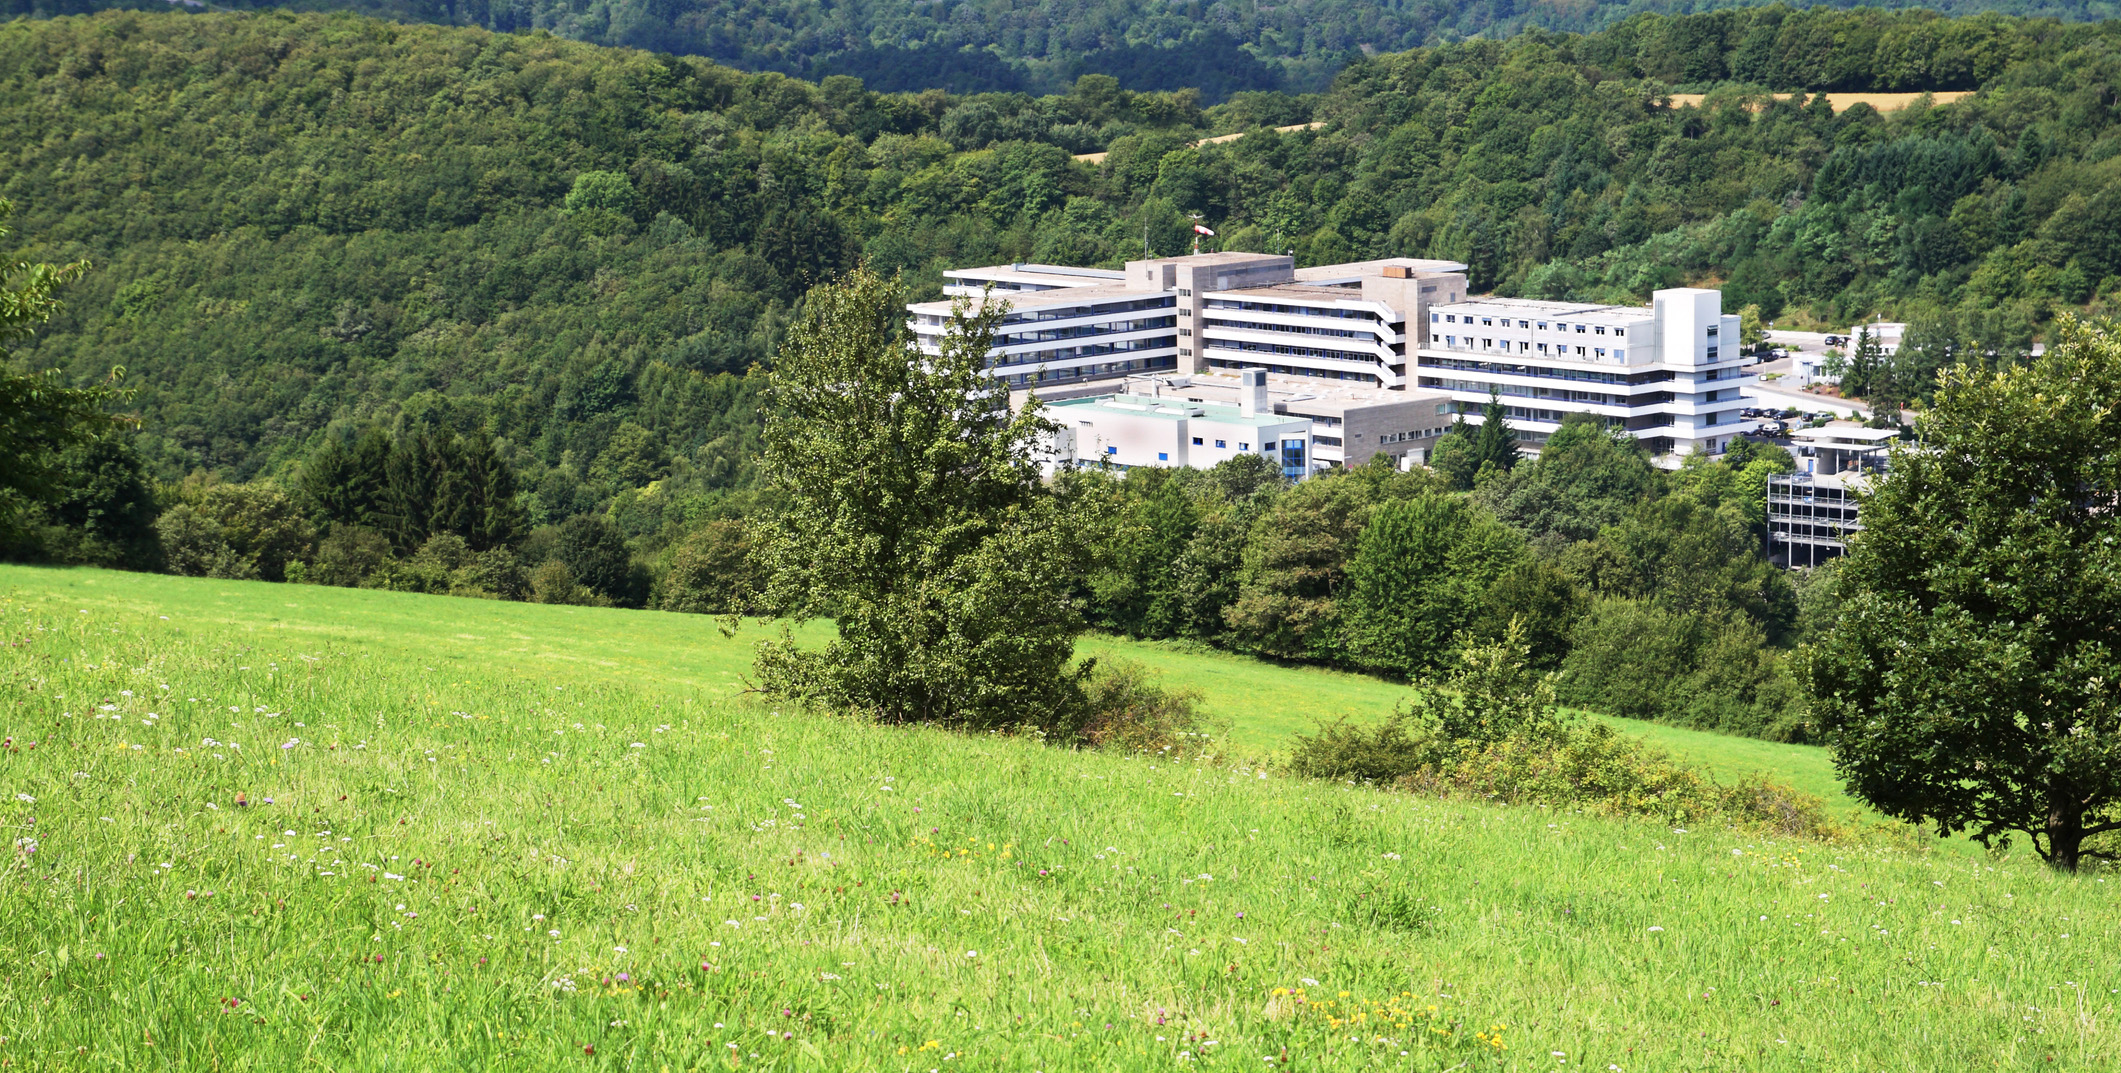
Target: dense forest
{"type": "Point", "coordinates": [543, 270]}
{"type": "Point", "coordinates": [1218, 47]}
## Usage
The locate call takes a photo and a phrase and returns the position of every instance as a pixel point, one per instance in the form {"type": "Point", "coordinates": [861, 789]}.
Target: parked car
{"type": "Point", "coordinates": [1836, 340]}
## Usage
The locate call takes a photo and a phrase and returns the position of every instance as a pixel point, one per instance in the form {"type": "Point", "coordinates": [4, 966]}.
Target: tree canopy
{"type": "Point", "coordinates": [1969, 681]}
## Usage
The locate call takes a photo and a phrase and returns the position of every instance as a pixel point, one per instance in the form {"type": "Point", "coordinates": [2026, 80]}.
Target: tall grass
{"type": "Point", "coordinates": [511, 862]}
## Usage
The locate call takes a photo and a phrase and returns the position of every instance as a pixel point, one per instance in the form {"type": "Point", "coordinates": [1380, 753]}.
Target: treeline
{"type": "Point", "coordinates": [424, 509]}
{"type": "Point", "coordinates": [1224, 46]}
{"type": "Point", "coordinates": [1647, 590]}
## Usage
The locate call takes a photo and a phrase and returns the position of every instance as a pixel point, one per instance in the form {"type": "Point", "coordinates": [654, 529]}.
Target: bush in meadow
{"type": "Point", "coordinates": [1492, 729]}
{"type": "Point", "coordinates": [1128, 710]}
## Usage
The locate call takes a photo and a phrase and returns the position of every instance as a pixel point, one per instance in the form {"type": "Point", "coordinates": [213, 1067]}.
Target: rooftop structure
{"type": "Point", "coordinates": [1669, 373]}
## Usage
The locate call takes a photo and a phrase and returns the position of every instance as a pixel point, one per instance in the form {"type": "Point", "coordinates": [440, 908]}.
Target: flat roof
{"type": "Point", "coordinates": [1072, 296]}
{"type": "Point", "coordinates": [1167, 408]}
{"type": "Point", "coordinates": [1531, 308]}
{"type": "Point", "coordinates": [1051, 275]}
{"type": "Point", "coordinates": [1355, 269]}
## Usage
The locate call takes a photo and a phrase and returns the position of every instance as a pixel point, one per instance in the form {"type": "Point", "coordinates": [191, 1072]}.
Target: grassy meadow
{"type": "Point", "coordinates": [1263, 705]}
{"type": "Point", "coordinates": [498, 836]}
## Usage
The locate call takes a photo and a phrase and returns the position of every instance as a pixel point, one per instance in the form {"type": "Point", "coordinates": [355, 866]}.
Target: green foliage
{"type": "Point", "coordinates": [249, 530]}
{"type": "Point", "coordinates": [1294, 570]}
{"type": "Point", "coordinates": [1126, 708]}
{"type": "Point", "coordinates": [914, 515]}
{"type": "Point", "coordinates": [711, 573]}
{"type": "Point", "coordinates": [598, 560]}
{"type": "Point", "coordinates": [1419, 578]}
{"type": "Point", "coordinates": [1968, 682]}
{"type": "Point", "coordinates": [1491, 729]}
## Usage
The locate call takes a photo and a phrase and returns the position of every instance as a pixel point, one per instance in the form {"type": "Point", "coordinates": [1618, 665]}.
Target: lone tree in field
{"type": "Point", "coordinates": [1973, 681]}
{"type": "Point", "coordinates": [913, 514]}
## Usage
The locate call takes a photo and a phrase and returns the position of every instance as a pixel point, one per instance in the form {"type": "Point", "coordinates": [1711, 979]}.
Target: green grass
{"type": "Point", "coordinates": [496, 810]}
{"type": "Point", "coordinates": [1265, 705]}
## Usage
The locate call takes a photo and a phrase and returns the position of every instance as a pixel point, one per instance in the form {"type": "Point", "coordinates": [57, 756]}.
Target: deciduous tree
{"type": "Point", "coordinates": [1973, 680]}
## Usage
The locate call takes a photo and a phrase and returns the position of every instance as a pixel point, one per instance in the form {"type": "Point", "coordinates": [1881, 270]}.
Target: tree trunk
{"type": "Point", "coordinates": [2065, 837]}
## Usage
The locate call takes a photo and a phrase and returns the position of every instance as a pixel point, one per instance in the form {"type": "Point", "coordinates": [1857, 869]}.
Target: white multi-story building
{"type": "Point", "coordinates": [1204, 313]}
{"type": "Point", "coordinates": [1670, 373]}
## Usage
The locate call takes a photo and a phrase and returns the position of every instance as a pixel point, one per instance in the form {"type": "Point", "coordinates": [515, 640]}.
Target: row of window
{"type": "Point", "coordinates": [1489, 322]}
{"type": "Point", "coordinates": [1466, 342]}
{"type": "Point", "coordinates": [1041, 357]}
{"type": "Point", "coordinates": [1297, 311]}
{"type": "Point", "coordinates": [1298, 329]}
{"type": "Point", "coordinates": [1286, 350]}
{"type": "Point", "coordinates": [1079, 331]}
{"type": "Point", "coordinates": [1101, 309]}
{"type": "Point", "coordinates": [1594, 376]}
{"type": "Point", "coordinates": [1091, 372]}
{"type": "Point", "coordinates": [1295, 370]}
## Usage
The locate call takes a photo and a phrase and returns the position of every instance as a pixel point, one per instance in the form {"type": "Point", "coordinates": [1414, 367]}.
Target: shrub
{"type": "Point", "coordinates": [1126, 709]}
{"type": "Point", "coordinates": [234, 531]}
{"type": "Point", "coordinates": [1492, 730]}
{"type": "Point", "coordinates": [710, 571]}
{"type": "Point", "coordinates": [494, 574]}
{"type": "Point", "coordinates": [348, 556]}
{"type": "Point", "coordinates": [553, 583]}
{"type": "Point", "coordinates": [596, 556]}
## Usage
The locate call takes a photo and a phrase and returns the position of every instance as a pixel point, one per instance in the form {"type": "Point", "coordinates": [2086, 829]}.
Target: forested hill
{"type": "Point", "coordinates": [1216, 46]}
{"type": "Point", "coordinates": [315, 222]}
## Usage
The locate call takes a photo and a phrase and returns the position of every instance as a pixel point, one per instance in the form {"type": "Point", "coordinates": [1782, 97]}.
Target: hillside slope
{"type": "Point", "coordinates": [507, 862]}
{"type": "Point", "coordinates": [305, 224]}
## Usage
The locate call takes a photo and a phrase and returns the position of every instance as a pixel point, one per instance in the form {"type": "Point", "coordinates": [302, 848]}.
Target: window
{"type": "Point", "coordinates": [1450, 318]}
{"type": "Point", "coordinates": [1601, 351]}
{"type": "Point", "coordinates": [1450, 340]}
{"type": "Point", "coordinates": [1600, 329]}
{"type": "Point", "coordinates": [1620, 355]}
{"type": "Point", "coordinates": [1524, 324]}
{"type": "Point", "coordinates": [1712, 333]}
{"type": "Point", "coordinates": [1522, 347]}
{"type": "Point", "coordinates": [1487, 322]}
{"type": "Point", "coordinates": [1163, 456]}
{"type": "Point", "coordinates": [1542, 348]}
{"type": "Point", "coordinates": [1579, 352]}
{"type": "Point", "coordinates": [1712, 353]}
{"type": "Point", "coordinates": [1435, 317]}
{"type": "Point", "coordinates": [1222, 443]}
{"type": "Point", "coordinates": [1542, 325]}
{"type": "Point", "coordinates": [1579, 329]}
{"type": "Point", "coordinates": [1196, 441]}
{"type": "Point", "coordinates": [1487, 344]}
{"type": "Point", "coordinates": [1243, 446]}
{"type": "Point", "coordinates": [1558, 326]}
{"type": "Point", "coordinates": [1620, 331]}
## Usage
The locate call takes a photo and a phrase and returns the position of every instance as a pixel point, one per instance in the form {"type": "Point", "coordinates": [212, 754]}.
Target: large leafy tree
{"type": "Point", "coordinates": [914, 515]}
{"type": "Point", "coordinates": [1420, 576]}
{"type": "Point", "coordinates": [1973, 680]}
